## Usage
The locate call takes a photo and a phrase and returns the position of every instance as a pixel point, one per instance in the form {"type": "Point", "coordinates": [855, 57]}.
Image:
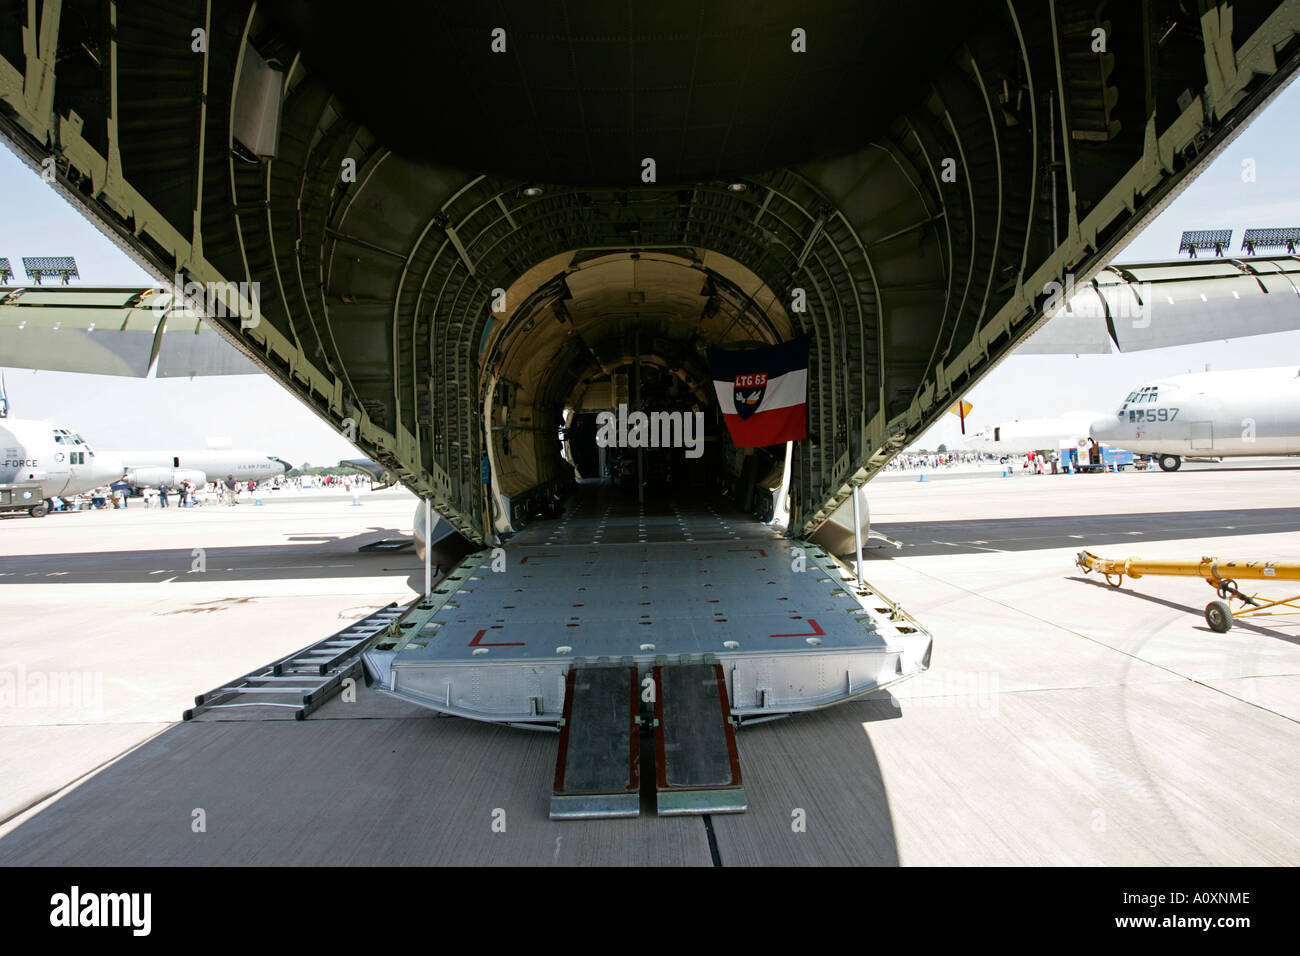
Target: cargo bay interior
{"type": "Point", "coordinates": [622, 179]}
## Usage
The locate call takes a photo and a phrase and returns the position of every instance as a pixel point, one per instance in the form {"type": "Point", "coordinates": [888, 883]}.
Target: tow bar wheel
{"type": "Point", "coordinates": [1218, 614]}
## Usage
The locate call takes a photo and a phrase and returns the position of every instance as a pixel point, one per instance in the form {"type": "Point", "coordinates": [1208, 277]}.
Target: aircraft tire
{"type": "Point", "coordinates": [1170, 462]}
{"type": "Point", "coordinates": [39, 511]}
{"type": "Point", "coordinates": [1218, 614]}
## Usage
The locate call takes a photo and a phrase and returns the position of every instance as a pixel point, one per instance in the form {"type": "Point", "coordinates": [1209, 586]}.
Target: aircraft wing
{"type": "Point", "coordinates": [1132, 308]}
{"type": "Point", "coordinates": [1128, 308]}
{"type": "Point", "coordinates": [111, 332]}
{"type": "Point", "coordinates": [190, 347]}
{"type": "Point", "coordinates": [1072, 331]}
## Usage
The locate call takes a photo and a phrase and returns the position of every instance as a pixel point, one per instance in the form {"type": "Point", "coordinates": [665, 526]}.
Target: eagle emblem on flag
{"type": "Point", "coordinates": [762, 392]}
{"type": "Point", "coordinates": [749, 391]}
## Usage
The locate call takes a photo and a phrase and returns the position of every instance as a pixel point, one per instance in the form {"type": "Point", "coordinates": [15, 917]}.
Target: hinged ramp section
{"type": "Point", "coordinates": [697, 766]}
{"type": "Point", "coordinates": [597, 771]}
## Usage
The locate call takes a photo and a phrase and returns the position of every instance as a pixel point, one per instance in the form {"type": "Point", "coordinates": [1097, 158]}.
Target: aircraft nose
{"type": "Point", "coordinates": [285, 465]}
{"type": "Point", "coordinates": [107, 469]}
{"type": "Point", "coordinates": [1102, 429]}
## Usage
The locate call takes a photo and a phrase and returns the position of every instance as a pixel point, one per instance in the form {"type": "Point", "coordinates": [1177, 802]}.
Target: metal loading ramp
{"type": "Point", "coordinates": [611, 583]}
{"type": "Point", "coordinates": [697, 766]}
{"type": "Point", "coordinates": [597, 769]}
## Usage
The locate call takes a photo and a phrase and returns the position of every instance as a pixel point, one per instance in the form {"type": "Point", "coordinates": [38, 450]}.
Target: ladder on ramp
{"type": "Point", "coordinates": [597, 769]}
{"type": "Point", "coordinates": [305, 679]}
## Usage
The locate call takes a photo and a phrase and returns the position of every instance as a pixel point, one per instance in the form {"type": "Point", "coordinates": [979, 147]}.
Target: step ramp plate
{"type": "Point", "coordinates": [697, 766]}
{"type": "Point", "coordinates": [597, 770]}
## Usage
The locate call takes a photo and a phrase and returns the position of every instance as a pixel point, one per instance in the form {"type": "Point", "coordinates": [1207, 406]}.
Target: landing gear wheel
{"type": "Point", "coordinates": [39, 511]}
{"type": "Point", "coordinates": [1218, 614]}
{"type": "Point", "coordinates": [1170, 462]}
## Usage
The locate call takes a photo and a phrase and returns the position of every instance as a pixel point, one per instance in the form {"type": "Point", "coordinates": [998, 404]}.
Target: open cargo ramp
{"type": "Point", "coordinates": [610, 583]}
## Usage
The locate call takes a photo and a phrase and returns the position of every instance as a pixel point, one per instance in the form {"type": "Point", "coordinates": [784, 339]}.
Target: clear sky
{"type": "Point", "coordinates": [254, 412]}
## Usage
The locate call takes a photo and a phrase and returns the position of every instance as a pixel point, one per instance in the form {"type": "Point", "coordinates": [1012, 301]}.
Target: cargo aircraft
{"type": "Point", "coordinates": [1248, 412]}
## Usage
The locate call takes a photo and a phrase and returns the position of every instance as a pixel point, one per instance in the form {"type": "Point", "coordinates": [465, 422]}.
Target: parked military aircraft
{"type": "Point", "coordinates": [1209, 415]}
{"type": "Point", "coordinates": [40, 460]}
{"type": "Point", "coordinates": [1032, 434]}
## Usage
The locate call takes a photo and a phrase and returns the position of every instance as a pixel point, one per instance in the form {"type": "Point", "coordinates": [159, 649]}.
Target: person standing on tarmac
{"type": "Point", "coordinates": [123, 489]}
{"type": "Point", "coordinates": [162, 494]}
{"type": "Point", "coordinates": [230, 490]}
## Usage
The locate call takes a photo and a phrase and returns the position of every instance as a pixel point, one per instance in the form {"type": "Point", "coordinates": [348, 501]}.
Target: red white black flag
{"type": "Point", "coordinates": [763, 392]}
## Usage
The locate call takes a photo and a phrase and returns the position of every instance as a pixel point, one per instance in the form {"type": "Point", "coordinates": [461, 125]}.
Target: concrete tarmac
{"type": "Point", "coordinates": [1061, 722]}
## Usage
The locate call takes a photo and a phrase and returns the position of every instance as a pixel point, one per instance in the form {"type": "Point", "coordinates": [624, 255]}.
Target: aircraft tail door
{"type": "Point", "coordinates": [1202, 436]}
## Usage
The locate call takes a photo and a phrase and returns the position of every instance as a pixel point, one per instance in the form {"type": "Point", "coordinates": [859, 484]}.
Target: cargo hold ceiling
{"type": "Point", "coordinates": [582, 92]}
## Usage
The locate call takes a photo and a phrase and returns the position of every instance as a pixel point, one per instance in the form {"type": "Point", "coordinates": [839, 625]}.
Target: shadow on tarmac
{"type": "Point", "coordinates": [921, 539]}
{"type": "Point", "coordinates": [318, 556]}
{"type": "Point", "coordinates": [1199, 612]}
{"type": "Point", "coordinates": [355, 785]}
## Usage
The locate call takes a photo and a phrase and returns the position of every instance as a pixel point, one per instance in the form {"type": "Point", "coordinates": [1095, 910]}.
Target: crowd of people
{"type": "Point", "coordinates": [186, 494]}
{"type": "Point", "coordinates": [948, 459]}
{"type": "Point", "coordinates": [1031, 463]}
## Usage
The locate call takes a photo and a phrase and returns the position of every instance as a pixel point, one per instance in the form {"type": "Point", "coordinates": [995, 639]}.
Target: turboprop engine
{"type": "Point", "coordinates": [155, 475]}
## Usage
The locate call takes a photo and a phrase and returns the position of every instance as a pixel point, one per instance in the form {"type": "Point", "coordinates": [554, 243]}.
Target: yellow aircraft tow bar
{"type": "Point", "coordinates": [1221, 575]}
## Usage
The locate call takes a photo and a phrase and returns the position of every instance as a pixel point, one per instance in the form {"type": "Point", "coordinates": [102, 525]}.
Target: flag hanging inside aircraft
{"type": "Point", "coordinates": [763, 392]}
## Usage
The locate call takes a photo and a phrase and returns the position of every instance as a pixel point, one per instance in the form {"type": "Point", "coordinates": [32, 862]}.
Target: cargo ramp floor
{"type": "Point", "coordinates": [610, 582]}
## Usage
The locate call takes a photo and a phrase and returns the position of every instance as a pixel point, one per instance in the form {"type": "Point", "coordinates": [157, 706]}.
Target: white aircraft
{"type": "Point", "coordinates": [1209, 415]}
{"type": "Point", "coordinates": [152, 468]}
{"type": "Point", "coordinates": [1033, 434]}
{"type": "Point", "coordinates": [40, 460]}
